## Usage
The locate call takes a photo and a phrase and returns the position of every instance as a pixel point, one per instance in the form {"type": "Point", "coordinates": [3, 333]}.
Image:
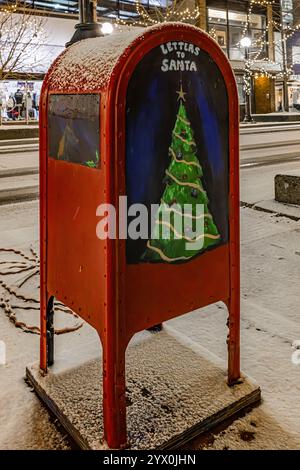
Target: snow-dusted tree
{"type": "Point", "coordinates": [22, 37]}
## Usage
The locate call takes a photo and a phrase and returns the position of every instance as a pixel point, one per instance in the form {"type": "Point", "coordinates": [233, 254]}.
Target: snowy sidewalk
{"type": "Point", "coordinates": [22, 163]}
{"type": "Point", "coordinates": [270, 323]}
{"type": "Point", "coordinates": [18, 175]}
{"type": "Point", "coordinates": [270, 314]}
{"type": "Point", "coordinates": [258, 188]}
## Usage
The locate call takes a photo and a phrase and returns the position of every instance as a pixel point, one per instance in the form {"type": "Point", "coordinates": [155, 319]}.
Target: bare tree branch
{"type": "Point", "coordinates": [22, 40]}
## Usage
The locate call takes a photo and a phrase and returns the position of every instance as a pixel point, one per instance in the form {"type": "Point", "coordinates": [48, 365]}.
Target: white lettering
{"type": "Point", "coordinates": [106, 228]}
{"type": "Point", "coordinates": [178, 65]}
{"type": "Point", "coordinates": [164, 50]}
{"type": "Point", "coordinates": [165, 65]}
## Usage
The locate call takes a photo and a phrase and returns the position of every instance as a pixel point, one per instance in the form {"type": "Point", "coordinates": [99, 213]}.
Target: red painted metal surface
{"type": "Point", "coordinates": [91, 276]}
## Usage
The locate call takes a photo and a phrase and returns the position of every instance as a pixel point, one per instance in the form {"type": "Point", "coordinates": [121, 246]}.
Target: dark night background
{"type": "Point", "coordinates": [151, 110]}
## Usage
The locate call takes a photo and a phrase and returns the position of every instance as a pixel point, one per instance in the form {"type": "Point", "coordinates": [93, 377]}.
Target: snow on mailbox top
{"type": "Point", "coordinates": [90, 64]}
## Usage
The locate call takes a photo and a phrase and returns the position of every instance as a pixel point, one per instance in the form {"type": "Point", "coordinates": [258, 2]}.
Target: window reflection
{"type": "Point", "coordinates": [123, 9]}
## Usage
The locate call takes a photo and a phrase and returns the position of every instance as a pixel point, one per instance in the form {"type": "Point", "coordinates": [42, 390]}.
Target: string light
{"type": "Point", "coordinates": [7, 9]}
{"type": "Point", "coordinates": [253, 64]}
{"type": "Point", "coordinates": [161, 15]}
{"type": "Point", "coordinates": [260, 71]}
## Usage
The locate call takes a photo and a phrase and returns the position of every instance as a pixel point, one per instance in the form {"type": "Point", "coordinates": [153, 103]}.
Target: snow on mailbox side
{"type": "Point", "coordinates": [142, 124]}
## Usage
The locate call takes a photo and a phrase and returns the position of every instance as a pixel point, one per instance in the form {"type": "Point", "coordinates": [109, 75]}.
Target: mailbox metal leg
{"type": "Point", "coordinates": [46, 332]}
{"type": "Point", "coordinates": [233, 340]}
{"type": "Point", "coordinates": [114, 400]}
{"type": "Point", "coordinates": [50, 332]}
{"type": "Point", "coordinates": [43, 328]}
{"type": "Point", "coordinates": [156, 328]}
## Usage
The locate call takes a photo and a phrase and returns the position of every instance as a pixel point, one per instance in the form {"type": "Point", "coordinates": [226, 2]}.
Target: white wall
{"type": "Point", "coordinates": [59, 30]}
{"type": "Point", "coordinates": [55, 33]}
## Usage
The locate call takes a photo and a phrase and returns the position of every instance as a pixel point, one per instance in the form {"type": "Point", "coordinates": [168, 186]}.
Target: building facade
{"type": "Point", "coordinates": [291, 21]}
{"type": "Point", "coordinates": [227, 21]}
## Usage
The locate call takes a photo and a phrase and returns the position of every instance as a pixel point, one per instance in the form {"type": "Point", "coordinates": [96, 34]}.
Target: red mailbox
{"type": "Point", "coordinates": [150, 114]}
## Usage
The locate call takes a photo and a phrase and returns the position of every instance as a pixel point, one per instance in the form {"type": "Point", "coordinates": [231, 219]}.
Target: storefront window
{"type": "Point", "coordinates": [228, 28]}
{"type": "Point", "coordinates": [19, 100]}
{"type": "Point", "coordinates": [235, 35]}
{"type": "Point", "coordinates": [294, 94]}
{"type": "Point", "coordinates": [219, 33]}
{"type": "Point", "coordinates": [287, 12]}
{"type": "Point", "coordinates": [217, 27]}
{"type": "Point", "coordinates": [279, 97]}
{"type": "Point", "coordinates": [241, 91]}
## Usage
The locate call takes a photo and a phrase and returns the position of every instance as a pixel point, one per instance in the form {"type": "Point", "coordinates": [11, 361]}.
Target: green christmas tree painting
{"type": "Point", "coordinates": [183, 179]}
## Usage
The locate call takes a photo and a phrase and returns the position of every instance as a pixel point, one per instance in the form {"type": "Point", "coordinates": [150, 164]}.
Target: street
{"type": "Point", "coordinates": [259, 144]}
{"type": "Point", "coordinates": [270, 272]}
{"type": "Point", "coordinates": [269, 142]}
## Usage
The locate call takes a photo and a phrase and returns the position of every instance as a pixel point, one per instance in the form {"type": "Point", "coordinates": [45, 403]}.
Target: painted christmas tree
{"type": "Point", "coordinates": [183, 186]}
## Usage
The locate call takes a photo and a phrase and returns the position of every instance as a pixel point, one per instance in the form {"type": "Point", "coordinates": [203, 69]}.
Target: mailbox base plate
{"type": "Point", "coordinates": [176, 391]}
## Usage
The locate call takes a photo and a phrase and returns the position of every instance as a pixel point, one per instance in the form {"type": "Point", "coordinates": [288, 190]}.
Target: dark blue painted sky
{"type": "Point", "coordinates": [152, 105]}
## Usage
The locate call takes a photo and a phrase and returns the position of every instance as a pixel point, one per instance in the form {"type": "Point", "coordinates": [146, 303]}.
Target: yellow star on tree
{"type": "Point", "coordinates": [181, 94]}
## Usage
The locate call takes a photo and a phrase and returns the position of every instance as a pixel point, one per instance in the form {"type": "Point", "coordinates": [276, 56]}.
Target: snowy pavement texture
{"type": "Point", "coordinates": [270, 311]}
{"type": "Point", "coordinates": [167, 395]}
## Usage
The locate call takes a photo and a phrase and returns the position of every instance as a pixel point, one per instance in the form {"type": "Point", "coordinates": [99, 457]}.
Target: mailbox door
{"type": "Point", "coordinates": [74, 181]}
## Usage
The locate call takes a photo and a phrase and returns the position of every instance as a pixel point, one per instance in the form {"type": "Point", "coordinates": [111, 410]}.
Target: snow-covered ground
{"type": "Point", "coordinates": [270, 313]}
{"type": "Point", "coordinates": [270, 323]}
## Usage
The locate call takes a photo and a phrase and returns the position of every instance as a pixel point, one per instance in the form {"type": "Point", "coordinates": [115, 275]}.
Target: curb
{"type": "Point", "coordinates": [19, 194]}
{"type": "Point", "coordinates": [19, 172]}
{"type": "Point", "coordinates": [19, 133]}
{"type": "Point", "coordinates": [18, 149]}
{"type": "Point", "coordinates": [261, 208]}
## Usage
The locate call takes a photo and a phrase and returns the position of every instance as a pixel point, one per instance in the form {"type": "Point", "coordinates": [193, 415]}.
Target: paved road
{"type": "Point", "coordinates": [261, 143]}
{"type": "Point", "coordinates": [257, 180]}
{"type": "Point", "coordinates": [260, 146]}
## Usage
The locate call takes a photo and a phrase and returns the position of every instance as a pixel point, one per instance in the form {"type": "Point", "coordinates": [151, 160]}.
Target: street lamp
{"type": "Point", "coordinates": [107, 28]}
{"type": "Point", "coordinates": [88, 26]}
{"type": "Point", "coordinates": [246, 44]}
